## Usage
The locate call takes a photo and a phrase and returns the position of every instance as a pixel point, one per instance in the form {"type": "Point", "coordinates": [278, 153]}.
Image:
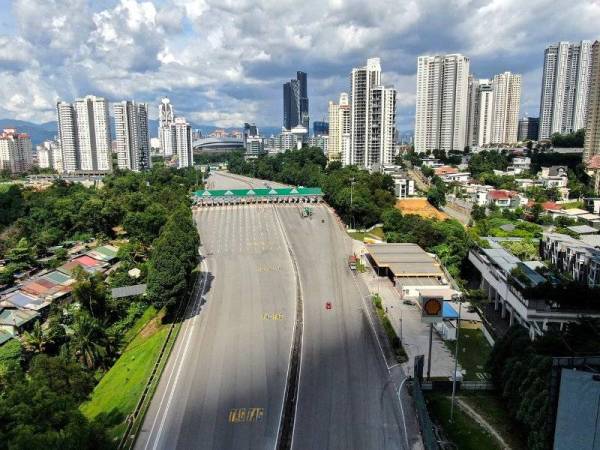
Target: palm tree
{"type": "Point", "coordinates": [88, 342]}
{"type": "Point", "coordinates": [36, 340]}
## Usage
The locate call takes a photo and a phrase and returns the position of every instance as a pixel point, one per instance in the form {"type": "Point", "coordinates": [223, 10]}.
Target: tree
{"type": "Point", "coordinates": [478, 212]}
{"type": "Point", "coordinates": [436, 196]}
{"type": "Point", "coordinates": [91, 293]}
{"type": "Point", "coordinates": [36, 340]}
{"type": "Point", "coordinates": [88, 342]}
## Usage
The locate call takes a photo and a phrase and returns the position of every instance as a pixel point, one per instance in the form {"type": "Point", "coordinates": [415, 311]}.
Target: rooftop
{"type": "Point", "coordinates": [583, 229]}
{"type": "Point", "coordinates": [405, 260]}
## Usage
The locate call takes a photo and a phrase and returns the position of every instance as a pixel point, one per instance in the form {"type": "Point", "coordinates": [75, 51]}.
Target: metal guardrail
{"type": "Point", "coordinates": [136, 418]}
{"type": "Point", "coordinates": [430, 441]}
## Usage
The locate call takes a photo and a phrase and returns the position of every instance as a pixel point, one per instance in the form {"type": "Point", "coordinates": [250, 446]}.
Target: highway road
{"type": "Point", "coordinates": [225, 382]}
{"type": "Point", "coordinates": [345, 398]}
{"type": "Point", "coordinates": [224, 385]}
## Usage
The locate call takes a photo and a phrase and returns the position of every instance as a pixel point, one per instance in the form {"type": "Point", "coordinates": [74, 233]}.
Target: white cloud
{"type": "Point", "coordinates": [223, 61]}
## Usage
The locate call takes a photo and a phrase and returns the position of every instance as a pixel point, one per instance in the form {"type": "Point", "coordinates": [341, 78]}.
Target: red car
{"type": "Point", "coordinates": [328, 305]}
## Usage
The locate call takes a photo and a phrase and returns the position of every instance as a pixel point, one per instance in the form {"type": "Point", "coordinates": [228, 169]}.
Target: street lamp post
{"type": "Point", "coordinates": [455, 362]}
{"type": "Point", "coordinates": [351, 208]}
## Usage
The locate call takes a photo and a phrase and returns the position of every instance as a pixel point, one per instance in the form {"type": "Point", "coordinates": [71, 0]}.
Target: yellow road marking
{"type": "Point", "coordinates": [246, 415]}
{"type": "Point", "coordinates": [274, 316]}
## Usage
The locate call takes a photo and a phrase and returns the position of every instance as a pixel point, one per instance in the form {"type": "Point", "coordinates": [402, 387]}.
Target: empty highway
{"type": "Point", "coordinates": [224, 385]}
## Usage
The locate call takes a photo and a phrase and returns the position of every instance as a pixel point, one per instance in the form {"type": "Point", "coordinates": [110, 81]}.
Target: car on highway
{"type": "Point", "coordinates": [327, 305]}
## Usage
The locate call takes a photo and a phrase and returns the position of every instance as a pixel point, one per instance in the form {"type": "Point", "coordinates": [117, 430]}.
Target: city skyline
{"type": "Point", "coordinates": [214, 82]}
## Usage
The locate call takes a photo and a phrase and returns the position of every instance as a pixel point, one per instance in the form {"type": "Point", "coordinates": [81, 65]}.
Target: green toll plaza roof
{"type": "Point", "coordinates": [259, 192]}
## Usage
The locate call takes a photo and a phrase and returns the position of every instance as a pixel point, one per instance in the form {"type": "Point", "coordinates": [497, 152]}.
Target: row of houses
{"type": "Point", "coordinates": [506, 279]}
{"type": "Point", "coordinates": [31, 299]}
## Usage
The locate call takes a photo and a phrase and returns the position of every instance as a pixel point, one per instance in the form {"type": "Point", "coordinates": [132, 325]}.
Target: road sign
{"type": "Point", "coordinates": [431, 308]}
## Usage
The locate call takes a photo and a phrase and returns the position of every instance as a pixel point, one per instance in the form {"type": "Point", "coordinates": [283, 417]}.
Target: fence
{"type": "Point", "coordinates": [429, 439]}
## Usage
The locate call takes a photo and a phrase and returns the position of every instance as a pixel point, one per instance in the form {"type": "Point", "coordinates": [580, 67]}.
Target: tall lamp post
{"type": "Point", "coordinates": [455, 360]}
{"type": "Point", "coordinates": [351, 198]}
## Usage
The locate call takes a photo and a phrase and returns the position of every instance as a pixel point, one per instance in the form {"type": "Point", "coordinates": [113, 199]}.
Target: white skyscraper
{"type": "Point", "coordinates": [339, 130]}
{"type": "Point", "coordinates": [67, 133]}
{"type": "Point", "coordinates": [484, 113]}
{"type": "Point", "coordinates": [442, 102]}
{"type": "Point", "coordinates": [93, 133]}
{"type": "Point", "coordinates": [49, 156]}
{"type": "Point", "coordinates": [15, 151]}
{"type": "Point", "coordinates": [165, 119]}
{"type": "Point", "coordinates": [131, 129]}
{"type": "Point", "coordinates": [506, 103]}
{"type": "Point", "coordinates": [84, 131]}
{"type": "Point", "coordinates": [382, 126]}
{"type": "Point", "coordinates": [372, 118]}
{"type": "Point", "coordinates": [181, 142]}
{"type": "Point", "coordinates": [565, 85]}
{"type": "Point", "coordinates": [362, 80]}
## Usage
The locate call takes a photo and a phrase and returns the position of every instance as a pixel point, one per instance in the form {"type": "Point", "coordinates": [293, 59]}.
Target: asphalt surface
{"type": "Point", "coordinates": [345, 397]}
{"type": "Point", "coordinates": [224, 384]}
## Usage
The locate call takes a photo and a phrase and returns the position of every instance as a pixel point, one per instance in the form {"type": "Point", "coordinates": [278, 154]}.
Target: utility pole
{"type": "Point", "coordinates": [455, 363]}
{"type": "Point", "coordinates": [351, 192]}
{"type": "Point", "coordinates": [429, 356]}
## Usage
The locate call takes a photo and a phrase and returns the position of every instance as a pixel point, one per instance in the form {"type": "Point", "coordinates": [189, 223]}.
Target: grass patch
{"type": "Point", "coordinates": [115, 397]}
{"type": "Point", "coordinates": [464, 432]}
{"type": "Point", "coordinates": [149, 314]}
{"type": "Point", "coordinates": [473, 353]}
{"type": "Point", "coordinates": [393, 338]}
{"type": "Point", "coordinates": [575, 204]}
{"type": "Point", "coordinates": [491, 408]}
{"type": "Point", "coordinates": [375, 233]}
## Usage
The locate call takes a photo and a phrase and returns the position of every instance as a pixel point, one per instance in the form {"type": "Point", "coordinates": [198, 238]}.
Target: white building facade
{"type": "Point", "coordinates": [166, 117]}
{"type": "Point", "coordinates": [93, 134]}
{"type": "Point", "coordinates": [506, 104]}
{"type": "Point", "coordinates": [49, 156]}
{"type": "Point", "coordinates": [181, 141]}
{"type": "Point", "coordinates": [132, 140]}
{"type": "Point", "coordinates": [16, 155]}
{"type": "Point", "coordinates": [362, 80]}
{"type": "Point", "coordinates": [442, 102]}
{"type": "Point", "coordinates": [565, 84]}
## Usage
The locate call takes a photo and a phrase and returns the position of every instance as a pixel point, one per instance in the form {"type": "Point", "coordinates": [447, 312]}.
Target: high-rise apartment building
{"type": "Point", "coordinates": [338, 148]}
{"type": "Point", "coordinates": [507, 101]}
{"type": "Point", "coordinates": [442, 102]}
{"type": "Point", "coordinates": [132, 140]}
{"type": "Point", "coordinates": [49, 156]}
{"type": "Point", "coordinates": [372, 117]}
{"type": "Point", "coordinates": [165, 119]}
{"type": "Point", "coordinates": [181, 142]}
{"type": "Point", "coordinates": [565, 83]}
{"type": "Point", "coordinates": [591, 148]}
{"type": "Point", "coordinates": [15, 151]}
{"type": "Point", "coordinates": [485, 113]}
{"type": "Point", "coordinates": [320, 128]}
{"type": "Point", "coordinates": [84, 133]}
{"type": "Point", "coordinates": [67, 134]}
{"type": "Point", "coordinates": [295, 102]}
{"type": "Point", "coordinates": [382, 126]}
{"type": "Point", "coordinates": [529, 128]}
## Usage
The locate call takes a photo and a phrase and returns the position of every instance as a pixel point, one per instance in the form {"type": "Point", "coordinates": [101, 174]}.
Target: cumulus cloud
{"type": "Point", "coordinates": [223, 61]}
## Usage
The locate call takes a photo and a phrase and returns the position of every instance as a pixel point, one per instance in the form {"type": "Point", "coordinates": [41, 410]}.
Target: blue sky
{"type": "Point", "coordinates": [223, 62]}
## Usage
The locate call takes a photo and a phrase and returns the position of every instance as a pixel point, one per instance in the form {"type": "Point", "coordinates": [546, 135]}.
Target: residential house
{"type": "Point", "coordinates": [505, 199]}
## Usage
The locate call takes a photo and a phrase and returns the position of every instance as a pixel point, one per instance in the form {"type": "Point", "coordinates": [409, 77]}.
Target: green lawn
{"type": "Point", "coordinates": [393, 338]}
{"type": "Point", "coordinates": [473, 353]}
{"type": "Point", "coordinates": [375, 233]}
{"type": "Point", "coordinates": [574, 204]}
{"type": "Point", "coordinates": [491, 408]}
{"type": "Point", "coordinates": [464, 432]}
{"type": "Point", "coordinates": [115, 397]}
